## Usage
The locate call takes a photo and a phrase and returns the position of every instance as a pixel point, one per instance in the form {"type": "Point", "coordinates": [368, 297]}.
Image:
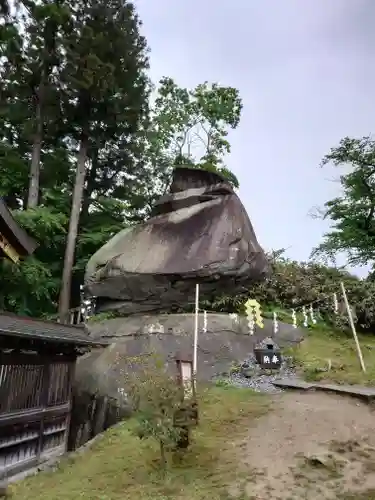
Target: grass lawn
{"type": "Point", "coordinates": [120, 466]}
{"type": "Point", "coordinates": [319, 347]}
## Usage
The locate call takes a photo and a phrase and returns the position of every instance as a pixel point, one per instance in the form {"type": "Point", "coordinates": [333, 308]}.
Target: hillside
{"type": "Point", "coordinates": [281, 445]}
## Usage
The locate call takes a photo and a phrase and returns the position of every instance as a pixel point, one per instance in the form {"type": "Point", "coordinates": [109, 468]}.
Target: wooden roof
{"type": "Point", "coordinates": [15, 243]}
{"type": "Point", "coordinates": [37, 329]}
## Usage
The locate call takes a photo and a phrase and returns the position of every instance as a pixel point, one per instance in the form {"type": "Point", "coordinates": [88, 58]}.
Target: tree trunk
{"type": "Point", "coordinates": [90, 185]}
{"type": "Point", "coordinates": [79, 185]}
{"type": "Point", "coordinates": [33, 195]}
{"type": "Point", "coordinates": [163, 456]}
{"type": "Point", "coordinates": [76, 299]}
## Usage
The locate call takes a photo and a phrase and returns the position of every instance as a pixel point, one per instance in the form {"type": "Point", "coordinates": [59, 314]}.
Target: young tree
{"type": "Point", "coordinates": [190, 126]}
{"type": "Point", "coordinates": [156, 398]}
{"type": "Point", "coordinates": [105, 85]}
{"type": "Point", "coordinates": [353, 212]}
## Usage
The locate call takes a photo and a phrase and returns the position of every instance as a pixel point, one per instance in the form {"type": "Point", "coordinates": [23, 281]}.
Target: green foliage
{"type": "Point", "coordinates": [31, 288]}
{"type": "Point", "coordinates": [222, 382]}
{"type": "Point", "coordinates": [294, 284]}
{"type": "Point", "coordinates": [27, 290]}
{"type": "Point", "coordinates": [351, 213]}
{"type": "Point", "coordinates": [156, 397]}
{"type": "Point", "coordinates": [71, 71]}
{"type": "Point", "coordinates": [103, 316]}
{"type": "Point", "coordinates": [332, 356]}
{"type": "Point", "coordinates": [51, 37]}
{"type": "Point", "coordinates": [190, 126]}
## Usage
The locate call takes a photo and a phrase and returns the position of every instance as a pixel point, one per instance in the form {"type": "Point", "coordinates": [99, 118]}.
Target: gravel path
{"type": "Point", "coordinates": [250, 374]}
{"type": "Point", "coordinates": [309, 446]}
{"type": "Point", "coordinates": [261, 382]}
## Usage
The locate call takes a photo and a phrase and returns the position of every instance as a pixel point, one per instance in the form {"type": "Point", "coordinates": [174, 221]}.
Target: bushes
{"type": "Point", "coordinates": [294, 284]}
{"type": "Point", "coordinates": [156, 398]}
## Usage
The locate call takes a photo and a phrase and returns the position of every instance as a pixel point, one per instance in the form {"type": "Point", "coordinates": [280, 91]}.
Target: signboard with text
{"type": "Point", "coordinates": [269, 358]}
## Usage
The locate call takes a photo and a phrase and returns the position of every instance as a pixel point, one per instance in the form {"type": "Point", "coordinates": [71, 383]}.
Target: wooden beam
{"type": "Point", "coordinates": [9, 251]}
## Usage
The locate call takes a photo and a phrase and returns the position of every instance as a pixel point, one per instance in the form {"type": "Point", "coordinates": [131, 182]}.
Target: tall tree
{"type": "Point", "coordinates": [352, 214]}
{"type": "Point", "coordinates": [30, 54]}
{"type": "Point", "coordinates": [4, 8]}
{"type": "Point", "coordinates": [45, 21]}
{"type": "Point", "coordinates": [112, 194]}
{"type": "Point", "coordinates": [129, 152]}
{"type": "Point", "coordinates": [104, 84]}
{"type": "Point", "coordinates": [191, 126]}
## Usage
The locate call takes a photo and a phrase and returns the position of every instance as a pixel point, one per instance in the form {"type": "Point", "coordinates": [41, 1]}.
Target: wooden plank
{"type": "Point", "coordinates": [293, 384]}
{"type": "Point", "coordinates": [9, 251]}
{"type": "Point", "coordinates": [349, 390]}
{"type": "Point", "coordinates": [19, 467]}
{"type": "Point", "coordinates": [31, 359]}
{"type": "Point", "coordinates": [14, 233]}
{"type": "Point", "coordinates": [56, 452]}
{"type": "Point", "coordinates": [32, 415]}
{"type": "Point", "coordinates": [36, 394]}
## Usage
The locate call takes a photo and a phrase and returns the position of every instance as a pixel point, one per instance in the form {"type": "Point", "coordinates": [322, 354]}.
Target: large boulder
{"type": "Point", "coordinates": [99, 392]}
{"type": "Point", "coordinates": [226, 341]}
{"type": "Point", "coordinates": [198, 233]}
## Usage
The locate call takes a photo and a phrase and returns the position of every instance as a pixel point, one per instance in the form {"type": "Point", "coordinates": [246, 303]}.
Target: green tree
{"type": "Point", "coordinates": [191, 126]}
{"type": "Point", "coordinates": [31, 142]}
{"type": "Point", "coordinates": [44, 52]}
{"type": "Point", "coordinates": [111, 167]}
{"type": "Point", "coordinates": [30, 54]}
{"type": "Point", "coordinates": [352, 212]}
{"type": "Point", "coordinates": [104, 85]}
{"type": "Point", "coordinates": [156, 398]}
{"type": "Point", "coordinates": [94, 99]}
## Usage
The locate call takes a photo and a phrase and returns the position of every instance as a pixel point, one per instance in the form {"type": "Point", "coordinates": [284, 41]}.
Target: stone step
{"type": "Point", "coordinates": [293, 383]}
{"type": "Point", "coordinates": [358, 391]}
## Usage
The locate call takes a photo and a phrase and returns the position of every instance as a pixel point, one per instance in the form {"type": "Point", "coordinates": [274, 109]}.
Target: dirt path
{"type": "Point", "coordinates": [312, 445]}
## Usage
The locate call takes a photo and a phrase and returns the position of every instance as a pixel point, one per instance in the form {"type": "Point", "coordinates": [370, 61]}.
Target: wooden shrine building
{"type": "Point", "coordinates": [37, 361]}
{"type": "Point", "coordinates": [15, 243]}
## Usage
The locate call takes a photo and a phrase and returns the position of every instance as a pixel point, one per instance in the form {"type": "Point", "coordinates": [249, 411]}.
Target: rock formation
{"type": "Point", "coordinates": [99, 395]}
{"type": "Point", "coordinates": [198, 233]}
{"type": "Point", "coordinates": [227, 340]}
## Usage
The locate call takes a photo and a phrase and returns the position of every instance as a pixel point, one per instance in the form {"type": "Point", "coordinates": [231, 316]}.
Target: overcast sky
{"type": "Point", "coordinates": [305, 71]}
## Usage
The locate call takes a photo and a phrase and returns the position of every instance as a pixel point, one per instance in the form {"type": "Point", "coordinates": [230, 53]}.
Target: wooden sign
{"type": "Point", "coordinates": [268, 358]}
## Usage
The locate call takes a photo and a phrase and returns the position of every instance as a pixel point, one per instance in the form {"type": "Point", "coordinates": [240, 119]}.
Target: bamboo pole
{"type": "Point", "coordinates": [196, 327]}
{"type": "Point", "coordinates": [359, 352]}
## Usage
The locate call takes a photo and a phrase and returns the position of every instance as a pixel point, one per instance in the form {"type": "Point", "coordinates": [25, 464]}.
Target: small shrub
{"type": "Point", "coordinates": [235, 368]}
{"type": "Point", "coordinates": [155, 397]}
{"type": "Point", "coordinates": [222, 382]}
{"type": "Point", "coordinates": [103, 316]}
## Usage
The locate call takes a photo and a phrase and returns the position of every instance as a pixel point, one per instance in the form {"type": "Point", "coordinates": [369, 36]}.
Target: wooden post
{"type": "Point", "coordinates": [196, 327]}
{"type": "Point", "coordinates": [187, 414]}
{"type": "Point", "coordinates": [359, 352]}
